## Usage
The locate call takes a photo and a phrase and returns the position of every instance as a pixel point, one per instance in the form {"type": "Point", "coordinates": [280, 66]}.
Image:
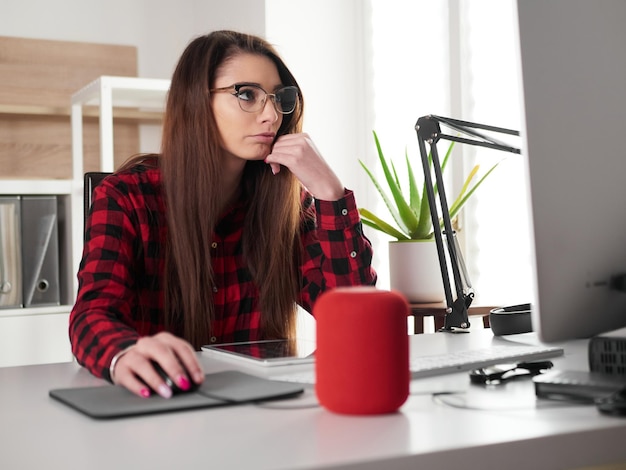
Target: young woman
{"type": "Point", "coordinates": [217, 238]}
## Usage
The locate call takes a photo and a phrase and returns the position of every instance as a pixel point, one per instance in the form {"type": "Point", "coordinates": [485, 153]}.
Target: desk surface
{"type": "Point", "coordinates": [474, 428]}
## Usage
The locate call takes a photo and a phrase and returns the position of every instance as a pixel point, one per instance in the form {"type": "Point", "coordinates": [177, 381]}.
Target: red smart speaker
{"type": "Point", "coordinates": [362, 355]}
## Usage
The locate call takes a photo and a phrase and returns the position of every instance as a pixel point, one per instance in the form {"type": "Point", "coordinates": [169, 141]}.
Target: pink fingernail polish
{"type": "Point", "coordinates": [144, 392]}
{"type": "Point", "coordinates": [165, 391]}
{"type": "Point", "coordinates": [183, 383]}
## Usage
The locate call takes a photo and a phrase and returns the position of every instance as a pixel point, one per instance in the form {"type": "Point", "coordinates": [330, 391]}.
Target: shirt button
{"type": "Point", "coordinates": [344, 211]}
{"type": "Point", "coordinates": [214, 245]}
{"type": "Point", "coordinates": [353, 254]}
{"type": "Point", "coordinates": [213, 339]}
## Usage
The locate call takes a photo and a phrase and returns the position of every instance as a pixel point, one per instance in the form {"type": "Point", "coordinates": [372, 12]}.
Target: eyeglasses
{"type": "Point", "coordinates": [251, 97]}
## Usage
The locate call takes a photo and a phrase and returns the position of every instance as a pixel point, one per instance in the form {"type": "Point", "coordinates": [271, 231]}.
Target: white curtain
{"type": "Point", "coordinates": [459, 59]}
{"type": "Point", "coordinates": [496, 223]}
{"type": "Point", "coordinates": [411, 78]}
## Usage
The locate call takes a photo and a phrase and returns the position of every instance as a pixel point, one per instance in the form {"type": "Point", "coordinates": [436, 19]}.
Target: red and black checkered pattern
{"type": "Point", "coordinates": [120, 294]}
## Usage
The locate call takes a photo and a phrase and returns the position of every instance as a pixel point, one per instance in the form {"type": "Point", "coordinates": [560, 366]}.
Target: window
{"type": "Point", "coordinates": [380, 65]}
{"type": "Point", "coordinates": [496, 222]}
{"type": "Point", "coordinates": [459, 59]}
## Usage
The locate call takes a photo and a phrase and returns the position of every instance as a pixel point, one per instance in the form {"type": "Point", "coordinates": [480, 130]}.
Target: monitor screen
{"type": "Point", "coordinates": [573, 68]}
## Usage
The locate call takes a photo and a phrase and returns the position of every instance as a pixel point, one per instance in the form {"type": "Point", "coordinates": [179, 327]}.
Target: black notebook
{"type": "Point", "coordinates": [219, 389]}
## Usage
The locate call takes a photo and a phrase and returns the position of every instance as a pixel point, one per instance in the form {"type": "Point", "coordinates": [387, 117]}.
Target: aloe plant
{"type": "Point", "coordinates": [411, 211]}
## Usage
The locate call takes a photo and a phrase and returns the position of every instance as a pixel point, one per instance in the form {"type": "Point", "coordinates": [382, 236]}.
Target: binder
{"type": "Point", "coordinates": [40, 251]}
{"type": "Point", "coordinates": [10, 253]}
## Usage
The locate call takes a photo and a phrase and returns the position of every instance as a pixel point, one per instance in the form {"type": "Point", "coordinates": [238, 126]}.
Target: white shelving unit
{"type": "Point", "coordinates": [39, 334]}
{"type": "Point", "coordinates": [107, 92]}
{"type": "Point", "coordinates": [143, 95]}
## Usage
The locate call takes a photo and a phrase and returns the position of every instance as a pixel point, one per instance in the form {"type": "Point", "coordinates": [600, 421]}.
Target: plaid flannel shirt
{"type": "Point", "coordinates": [120, 295]}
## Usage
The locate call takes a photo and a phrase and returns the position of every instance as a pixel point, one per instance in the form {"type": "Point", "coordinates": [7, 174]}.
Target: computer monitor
{"type": "Point", "coordinates": [573, 69]}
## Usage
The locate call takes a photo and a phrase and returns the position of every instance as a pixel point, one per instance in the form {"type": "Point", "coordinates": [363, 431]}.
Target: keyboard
{"type": "Point", "coordinates": [440, 364]}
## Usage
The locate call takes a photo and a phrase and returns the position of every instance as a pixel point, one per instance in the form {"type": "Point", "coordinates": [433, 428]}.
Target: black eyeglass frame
{"type": "Point", "coordinates": [235, 90]}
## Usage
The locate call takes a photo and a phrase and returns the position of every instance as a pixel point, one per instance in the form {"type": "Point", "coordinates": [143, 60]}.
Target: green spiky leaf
{"type": "Point", "coordinates": [412, 213]}
{"type": "Point", "coordinates": [375, 222]}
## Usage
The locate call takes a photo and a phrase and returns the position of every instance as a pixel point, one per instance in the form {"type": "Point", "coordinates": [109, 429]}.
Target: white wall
{"type": "Point", "coordinates": [324, 43]}
{"type": "Point", "coordinates": [160, 29]}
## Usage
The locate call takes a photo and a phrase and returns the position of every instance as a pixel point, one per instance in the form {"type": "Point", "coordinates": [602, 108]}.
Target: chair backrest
{"type": "Point", "coordinates": [91, 180]}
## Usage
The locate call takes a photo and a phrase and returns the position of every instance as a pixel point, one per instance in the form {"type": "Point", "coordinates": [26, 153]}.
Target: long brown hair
{"type": "Point", "coordinates": [191, 172]}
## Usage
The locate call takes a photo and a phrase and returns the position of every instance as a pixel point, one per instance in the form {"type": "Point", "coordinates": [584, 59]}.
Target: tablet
{"type": "Point", "coordinates": [265, 353]}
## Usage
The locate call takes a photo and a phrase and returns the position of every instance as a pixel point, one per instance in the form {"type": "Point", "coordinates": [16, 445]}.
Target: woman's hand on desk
{"type": "Point", "coordinates": [176, 357]}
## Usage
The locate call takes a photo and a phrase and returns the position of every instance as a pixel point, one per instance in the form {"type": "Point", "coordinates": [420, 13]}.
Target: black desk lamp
{"type": "Point", "coordinates": [429, 130]}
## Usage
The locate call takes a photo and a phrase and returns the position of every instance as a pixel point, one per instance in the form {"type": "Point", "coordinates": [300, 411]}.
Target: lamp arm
{"type": "Point", "coordinates": [429, 131]}
{"type": "Point", "coordinates": [467, 127]}
{"type": "Point", "coordinates": [430, 194]}
{"type": "Point", "coordinates": [480, 143]}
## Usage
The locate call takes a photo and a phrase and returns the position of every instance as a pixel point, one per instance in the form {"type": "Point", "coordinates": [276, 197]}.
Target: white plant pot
{"type": "Point", "coordinates": [414, 271]}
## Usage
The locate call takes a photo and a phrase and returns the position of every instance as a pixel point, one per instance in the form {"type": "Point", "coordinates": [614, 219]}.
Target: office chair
{"type": "Point", "coordinates": [91, 180]}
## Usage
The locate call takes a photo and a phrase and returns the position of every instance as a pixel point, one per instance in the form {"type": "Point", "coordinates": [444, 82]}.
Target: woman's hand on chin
{"type": "Point", "coordinates": [298, 153]}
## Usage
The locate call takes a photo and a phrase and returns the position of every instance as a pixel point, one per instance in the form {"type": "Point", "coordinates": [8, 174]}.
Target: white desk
{"type": "Point", "coordinates": [512, 430]}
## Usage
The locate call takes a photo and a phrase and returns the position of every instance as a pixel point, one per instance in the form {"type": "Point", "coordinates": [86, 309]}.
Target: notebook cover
{"type": "Point", "coordinates": [218, 389]}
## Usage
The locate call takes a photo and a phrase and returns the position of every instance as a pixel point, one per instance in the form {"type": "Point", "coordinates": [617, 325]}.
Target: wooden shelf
{"type": "Point", "coordinates": [90, 112]}
{"type": "Point", "coordinates": [44, 310]}
{"type": "Point", "coordinates": [105, 99]}
{"type": "Point", "coordinates": [37, 80]}
{"type": "Point", "coordinates": [124, 92]}
{"type": "Point", "coordinates": [35, 186]}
